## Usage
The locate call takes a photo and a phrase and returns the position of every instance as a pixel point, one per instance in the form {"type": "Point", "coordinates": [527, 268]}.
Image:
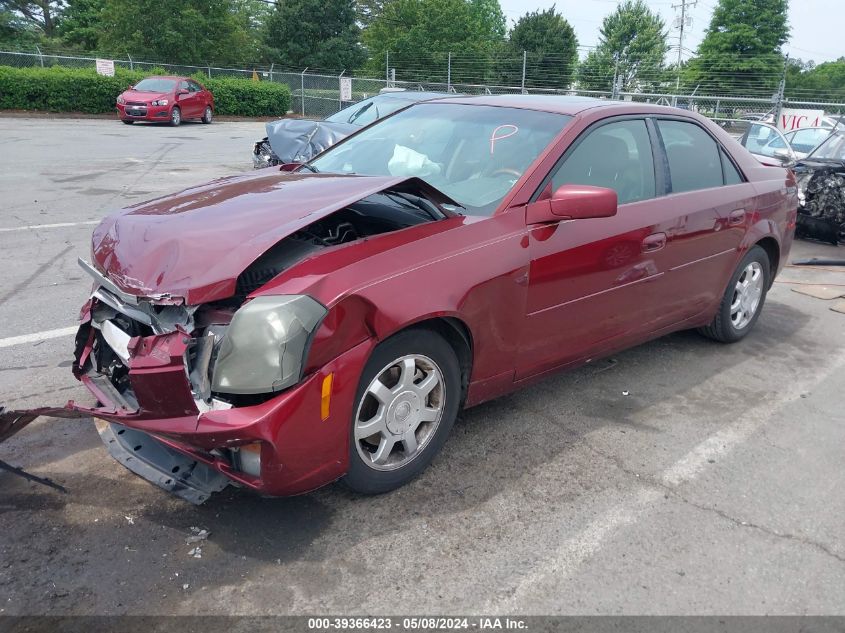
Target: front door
{"type": "Point", "coordinates": [593, 281]}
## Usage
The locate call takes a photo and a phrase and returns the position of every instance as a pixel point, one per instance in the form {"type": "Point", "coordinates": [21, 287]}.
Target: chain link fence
{"type": "Point", "coordinates": [318, 95]}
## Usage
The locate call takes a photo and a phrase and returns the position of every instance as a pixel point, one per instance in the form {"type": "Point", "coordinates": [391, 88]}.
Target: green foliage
{"type": "Point", "coordinates": [16, 32]}
{"type": "Point", "coordinates": [632, 43]}
{"type": "Point", "coordinates": [187, 32]}
{"type": "Point", "coordinates": [552, 46]}
{"type": "Point", "coordinates": [368, 10]}
{"type": "Point", "coordinates": [58, 89]}
{"type": "Point", "coordinates": [419, 33]}
{"type": "Point", "coordinates": [740, 51]}
{"type": "Point", "coordinates": [318, 34]}
{"type": "Point", "coordinates": [41, 15]}
{"type": "Point", "coordinates": [80, 27]}
{"type": "Point", "coordinates": [823, 82]}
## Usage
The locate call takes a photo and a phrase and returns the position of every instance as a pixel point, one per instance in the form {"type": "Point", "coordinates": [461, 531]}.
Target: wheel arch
{"type": "Point", "coordinates": [459, 337]}
{"type": "Point", "coordinates": [772, 248]}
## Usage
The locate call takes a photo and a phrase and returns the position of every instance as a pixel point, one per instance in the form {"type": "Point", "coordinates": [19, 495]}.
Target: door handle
{"type": "Point", "coordinates": [654, 242]}
{"type": "Point", "coordinates": [736, 217]}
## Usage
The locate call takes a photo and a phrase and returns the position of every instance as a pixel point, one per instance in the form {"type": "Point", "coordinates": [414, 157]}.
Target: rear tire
{"type": "Point", "coordinates": [743, 299]}
{"type": "Point", "coordinates": [406, 404]}
{"type": "Point", "coordinates": [207, 115]}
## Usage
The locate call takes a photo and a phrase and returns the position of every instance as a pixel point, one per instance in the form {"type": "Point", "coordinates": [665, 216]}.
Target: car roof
{"type": "Point", "coordinates": [177, 77]}
{"type": "Point", "coordinates": [559, 104]}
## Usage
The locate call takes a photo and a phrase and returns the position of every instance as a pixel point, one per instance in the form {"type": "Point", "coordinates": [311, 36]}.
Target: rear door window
{"type": "Point", "coordinates": [694, 157]}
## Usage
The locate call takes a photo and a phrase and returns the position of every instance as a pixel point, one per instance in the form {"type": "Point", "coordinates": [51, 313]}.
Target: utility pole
{"type": "Point", "coordinates": [682, 23]}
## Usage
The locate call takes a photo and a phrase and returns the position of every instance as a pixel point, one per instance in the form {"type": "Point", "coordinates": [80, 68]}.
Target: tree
{"type": "Point", "coordinates": [318, 34]}
{"type": "Point", "coordinates": [741, 49]}
{"type": "Point", "coordinates": [823, 82]}
{"type": "Point", "coordinates": [632, 46]}
{"type": "Point", "coordinates": [199, 32]}
{"type": "Point", "coordinates": [368, 10]}
{"type": "Point", "coordinates": [15, 32]}
{"type": "Point", "coordinates": [419, 34]}
{"type": "Point", "coordinates": [81, 24]}
{"type": "Point", "coordinates": [42, 14]}
{"type": "Point", "coordinates": [551, 45]}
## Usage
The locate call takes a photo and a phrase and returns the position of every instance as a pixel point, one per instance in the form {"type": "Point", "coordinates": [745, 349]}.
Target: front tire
{"type": "Point", "coordinates": [406, 404]}
{"type": "Point", "coordinates": [175, 116]}
{"type": "Point", "coordinates": [743, 299]}
{"type": "Point", "coordinates": [208, 115]}
{"type": "Point", "coordinates": [127, 121]}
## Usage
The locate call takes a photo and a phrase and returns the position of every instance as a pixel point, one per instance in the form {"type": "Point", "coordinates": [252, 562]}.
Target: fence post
{"type": "Point", "coordinates": [271, 70]}
{"type": "Point", "coordinates": [209, 71]}
{"type": "Point", "coordinates": [781, 89]}
{"type": "Point", "coordinates": [339, 91]}
{"type": "Point", "coordinates": [716, 113]}
{"type": "Point", "coordinates": [302, 89]}
{"type": "Point", "coordinates": [40, 56]}
{"type": "Point", "coordinates": [387, 68]}
{"type": "Point", "coordinates": [449, 74]}
{"type": "Point", "coordinates": [131, 65]}
{"type": "Point", "coordinates": [524, 60]}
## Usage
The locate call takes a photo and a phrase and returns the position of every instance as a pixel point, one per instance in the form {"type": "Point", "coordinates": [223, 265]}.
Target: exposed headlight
{"type": "Point", "coordinates": [121, 100]}
{"type": "Point", "coordinates": [160, 102]}
{"type": "Point", "coordinates": [265, 344]}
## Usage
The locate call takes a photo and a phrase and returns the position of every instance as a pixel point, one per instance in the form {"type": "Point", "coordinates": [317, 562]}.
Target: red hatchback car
{"type": "Point", "coordinates": [166, 99]}
{"type": "Point", "coordinates": [284, 330]}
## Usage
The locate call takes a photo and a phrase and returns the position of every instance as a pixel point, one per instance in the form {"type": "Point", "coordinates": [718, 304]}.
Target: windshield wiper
{"type": "Point", "coordinates": [310, 168]}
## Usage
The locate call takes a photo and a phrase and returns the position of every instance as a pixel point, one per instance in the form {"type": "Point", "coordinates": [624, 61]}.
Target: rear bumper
{"type": "Point", "coordinates": [299, 450]}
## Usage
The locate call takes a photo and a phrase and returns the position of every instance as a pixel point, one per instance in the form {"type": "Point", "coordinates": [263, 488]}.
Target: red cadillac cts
{"type": "Point", "coordinates": [166, 99]}
{"type": "Point", "coordinates": [283, 330]}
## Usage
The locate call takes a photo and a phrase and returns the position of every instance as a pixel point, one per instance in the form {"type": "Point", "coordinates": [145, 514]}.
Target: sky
{"type": "Point", "coordinates": [817, 25]}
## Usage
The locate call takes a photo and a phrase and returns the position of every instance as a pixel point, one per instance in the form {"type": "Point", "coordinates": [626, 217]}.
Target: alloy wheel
{"type": "Point", "coordinates": [747, 294]}
{"type": "Point", "coordinates": [399, 412]}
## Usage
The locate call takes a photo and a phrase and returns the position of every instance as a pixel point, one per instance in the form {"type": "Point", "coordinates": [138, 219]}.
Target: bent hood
{"type": "Point", "coordinates": [299, 140]}
{"type": "Point", "coordinates": [195, 243]}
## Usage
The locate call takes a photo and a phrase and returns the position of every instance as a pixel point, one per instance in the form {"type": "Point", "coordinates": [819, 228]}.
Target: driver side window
{"type": "Point", "coordinates": [616, 156]}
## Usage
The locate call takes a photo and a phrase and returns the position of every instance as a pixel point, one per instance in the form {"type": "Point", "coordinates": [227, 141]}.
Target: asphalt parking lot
{"type": "Point", "coordinates": [715, 486]}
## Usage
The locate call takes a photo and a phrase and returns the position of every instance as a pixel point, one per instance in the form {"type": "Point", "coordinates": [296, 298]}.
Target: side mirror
{"type": "Point", "coordinates": [573, 202]}
{"type": "Point", "coordinates": [290, 166]}
{"type": "Point", "coordinates": [182, 91]}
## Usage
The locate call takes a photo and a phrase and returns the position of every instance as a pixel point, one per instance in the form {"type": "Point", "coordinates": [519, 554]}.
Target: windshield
{"type": "Point", "coordinates": [832, 149]}
{"type": "Point", "coordinates": [155, 84]}
{"type": "Point", "coordinates": [474, 154]}
{"type": "Point", "coordinates": [365, 112]}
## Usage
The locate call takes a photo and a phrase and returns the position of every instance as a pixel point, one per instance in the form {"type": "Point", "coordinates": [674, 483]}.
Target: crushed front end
{"type": "Point", "coordinates": [190, 399]}
{"type": "Point", "coordinates": [821, 200]}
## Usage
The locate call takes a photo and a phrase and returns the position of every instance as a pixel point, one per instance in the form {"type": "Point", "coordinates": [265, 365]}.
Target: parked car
{"type": "Point", "coordinates": [284, 330]}
{"type": "Point", "coordinates": [767, 142]}
{"type": "Point", "coordinates": [299, 140]}
{"type": "Point", "coordinates": [166, 100]}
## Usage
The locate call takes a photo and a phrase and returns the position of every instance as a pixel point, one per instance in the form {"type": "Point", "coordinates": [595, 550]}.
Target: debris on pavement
{"type": "Point", "coordinates": [198, 535]}
{"type": "Point", "coordinates": [196, 552]}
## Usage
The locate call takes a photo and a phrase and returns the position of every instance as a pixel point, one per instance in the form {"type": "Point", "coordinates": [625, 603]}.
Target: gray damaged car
{"type": "Point", "coordinates": [299, 140]}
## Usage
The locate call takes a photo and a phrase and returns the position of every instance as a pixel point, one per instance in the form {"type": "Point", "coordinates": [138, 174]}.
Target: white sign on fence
{"type": "Point", "coordinates": [105, 67]}
{"type": "Point", "coordinates": [346, 88]}
{"type": "Point", "coordinates": [794, 118]}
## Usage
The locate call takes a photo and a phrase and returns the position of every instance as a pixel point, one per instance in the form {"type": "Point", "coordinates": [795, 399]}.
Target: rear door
{"type": "Point", "coordinates": [712, 205]}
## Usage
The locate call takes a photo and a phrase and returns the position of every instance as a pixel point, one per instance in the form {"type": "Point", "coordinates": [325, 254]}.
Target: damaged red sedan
{"type": "Point", "coordinates": [283, 330]}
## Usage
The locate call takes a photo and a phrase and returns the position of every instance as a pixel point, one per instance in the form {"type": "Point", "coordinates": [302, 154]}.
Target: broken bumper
{"type": "Point", "coordinates": [159, 433]}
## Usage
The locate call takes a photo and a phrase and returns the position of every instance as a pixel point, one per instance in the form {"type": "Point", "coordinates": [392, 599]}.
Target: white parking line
{"type": "Point", "coordinates": [57, 225]}
{"type": "Point", "coordinates": [37, 336]}
{"type": "Point", "coordinates": [566, 559]}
